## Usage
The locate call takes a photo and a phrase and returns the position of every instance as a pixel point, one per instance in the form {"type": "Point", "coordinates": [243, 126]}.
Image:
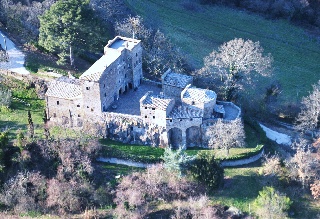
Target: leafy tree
{"type": "Point", "coordinates": [235, 63]}
{"type": "Point", "coordinates": [226, 135]}
{"type": "Point", "coordinates": [207, 170]}
{"type": "Point", "coordinates": [270, 204]}
{"type": "Point", "coordinates": [4, 140]}
{"type": "Point", "coordinates": [308, 118]}
{"type": "Point", "coordinates": [315, 189]}
{"type": "Point", "coordinates": [67, 27]}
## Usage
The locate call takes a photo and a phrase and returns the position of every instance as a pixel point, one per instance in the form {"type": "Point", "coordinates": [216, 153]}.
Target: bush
{"type": "Point", "coordinates": [272, 204]}
{"type": "Point", "coordinates": [5, 97]}
{"type": "Point", "coordinates": [207, 170]}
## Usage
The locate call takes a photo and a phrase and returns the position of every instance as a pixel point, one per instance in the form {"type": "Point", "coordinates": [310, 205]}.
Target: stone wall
{"type": "Point", "coordinates": [65, 112]}
{"type": "Point", "coordinates": [131, 129]}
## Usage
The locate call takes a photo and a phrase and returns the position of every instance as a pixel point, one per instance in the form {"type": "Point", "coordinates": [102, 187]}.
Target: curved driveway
{"type": "Point", "coordinates": [16, 57]}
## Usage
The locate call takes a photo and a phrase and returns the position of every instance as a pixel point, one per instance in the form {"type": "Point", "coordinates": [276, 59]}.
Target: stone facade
{"type": "Point", "coordinates": [176, 115]}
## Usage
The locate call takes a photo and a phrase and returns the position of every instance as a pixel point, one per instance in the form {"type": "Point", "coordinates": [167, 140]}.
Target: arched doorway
{"type": "Point", "coordinates": [193, 136]}
{"type": "Point", "coordinates": [175, 137]}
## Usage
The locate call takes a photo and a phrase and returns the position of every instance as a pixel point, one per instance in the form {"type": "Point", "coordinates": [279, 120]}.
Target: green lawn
{"type": "Point", "coordinates": [296, 54]}
{"type": "Point", "coordinates": [23, 99]}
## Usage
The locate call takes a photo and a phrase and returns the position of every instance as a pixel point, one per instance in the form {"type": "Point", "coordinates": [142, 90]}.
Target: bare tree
{"type": "Point", "coordinates": [302, 166]}
{"type": "Point", "coordinates": [315, 189]}
{"type": "Point", "coordinates": [226, 135]}
{"type": "Point", "coordinates": [235, 63]}
{"type": "Point", "coordinates": [308, 118]}
{"type": "Point", "coordinates": [133, 27]}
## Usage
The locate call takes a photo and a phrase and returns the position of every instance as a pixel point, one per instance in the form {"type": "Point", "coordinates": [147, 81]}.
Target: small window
{"type": "Point", "coordinates": [78, 105]}
{"type": "Point", "coordinates": [79, 115]}
{"type": "Point", "coordinates": [105, 94]}
{"type": "Point", "coordinates": [125, 75]}
{"type": "Point", "coordinates": [54, 115]}
{"type": "Point", "coordinates": [170, 120]}
{"type": "Point", "coordinates": [191, 119]}
{"type": "Point", "coordinates": [145, 116]}
{"type": "Point", "coordinates": [104, 86]}
{"type": "Point", "coordinates": [136, 54]}
{"type": "Point", "coordinates": [87, 88]}
{"type": "Point", "coordinates": [58, 102]}
{"type": "Point", "coordinates": [180, 120]}
{"type": "Point", "coordinates": [153, 108]}
{"type": "Point", "coordinates": [146, 107]}
{"type": "Point", "coordinates": [153, 117]}
{"type": "Point", "coordinates": [87, 107]}
{"type": "Point", "coordinates": [91, 109]}
{"type": "Point", "coordinates": [192, 103]}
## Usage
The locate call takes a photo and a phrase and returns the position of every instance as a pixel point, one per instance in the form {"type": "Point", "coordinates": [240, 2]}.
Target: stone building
{"type": "Point", "coordinates": [113, 93]}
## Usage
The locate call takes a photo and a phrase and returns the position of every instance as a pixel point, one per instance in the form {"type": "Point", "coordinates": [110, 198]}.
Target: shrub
{"type": "Point", "coordinates": [5, 97]}
{"type": "Point", "coordinates": [207, 170]}
{"type": "Point", "coordinates": [271, 204]}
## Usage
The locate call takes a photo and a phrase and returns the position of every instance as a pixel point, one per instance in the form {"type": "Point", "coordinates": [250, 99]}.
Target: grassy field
{"type": "Point", "coordinates": [200, 30]}
{"type": "Point", "coordinates": [23, 99]}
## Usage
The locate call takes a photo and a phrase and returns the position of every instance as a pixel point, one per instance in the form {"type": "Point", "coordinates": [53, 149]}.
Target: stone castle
{"type": "Point", "coordinates": [113, 94]}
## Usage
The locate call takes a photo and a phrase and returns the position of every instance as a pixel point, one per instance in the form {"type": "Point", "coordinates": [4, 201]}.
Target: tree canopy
{"type": "Point", "coordinates": [235, 63]}
{"type": "Point", "coordinates": [69, 25]}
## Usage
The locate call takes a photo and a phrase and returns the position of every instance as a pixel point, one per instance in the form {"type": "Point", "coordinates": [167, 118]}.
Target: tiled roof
{"type": "Point", "coordinates": [185, 111]}
{"type": "Point", "coordinates": [96, 70]}
{"type": "Point", "coordinates": [65, 88]}
{"type": "Point", "coordinates": [177, 80]}
{"type": "Point", "coordinates": [199, 95]}
{"type": "Point", "coordinates": [152, 101]}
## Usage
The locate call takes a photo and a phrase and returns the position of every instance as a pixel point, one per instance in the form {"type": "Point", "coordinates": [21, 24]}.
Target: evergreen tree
{"type": "Point", "coordinates": [69, 26]}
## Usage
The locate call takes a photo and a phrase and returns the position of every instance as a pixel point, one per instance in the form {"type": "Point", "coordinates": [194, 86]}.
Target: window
{"type": "Point", "coordinates": [170, 120]}
{"type": "Point", "coordinates": [105, 94]}
{"type": "Point", "coordinates": [87, 88]}
{"type": "Point", "coordinates": [79, 115]}
{"type": "Point", "coordinates": [91, 109]}
{"type": "Point", "coordinates": [146, 107]}
{"type": "Point", "coordinates": [136, 54]}
{"type": "Point", "coordinates": [145, 116]}
{"type": "Point", "coordinates": [104, 86]}
{"type": "Point", "coordinates": [191, 119]}
{"type": "Point", "coordinates": [87, 107]}
{"type": "Point", "coordinates": [78, 105]}
{"type": "Point", "coordinates": [153, 108]}
{"type": "Point", "coordinates": [192, 103]}
{"type": "Point", "coordinates": [153, 117]}
{"type": "Point", "coordinates": [125, 75]}
{"type": "Point", "coordinates": [54, 115]}
{"type": "Point", "coordinates": [180, 120]}
{"type": "Point", "coordinates": [58, 102]}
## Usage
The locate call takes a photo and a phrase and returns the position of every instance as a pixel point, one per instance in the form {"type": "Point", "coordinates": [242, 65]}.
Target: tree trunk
{"type": "Point", "coordinates": [71, 57]}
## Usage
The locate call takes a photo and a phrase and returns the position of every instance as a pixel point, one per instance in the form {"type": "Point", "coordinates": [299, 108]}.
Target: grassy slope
{"type": "Point", "coordinates": [198, 32]}
{"type": "Point", "coordinates": [17, 117]}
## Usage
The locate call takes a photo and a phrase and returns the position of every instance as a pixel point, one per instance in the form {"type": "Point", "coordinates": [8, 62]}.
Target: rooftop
{"type": "Point", "coordinates": [199, 95]}
{"type": "Point", "coordinates": [65, 88]}
{"type": "Point", "coordinates": [96, 70]}
{"type": "Point", "coordinates": [185, 111]}
{"type": "Point", "coordinates": [156, 101]}
{"type": "Point", "coordinates": [119, 43]}
{"type": "Point", "coordinates": [175, 79]}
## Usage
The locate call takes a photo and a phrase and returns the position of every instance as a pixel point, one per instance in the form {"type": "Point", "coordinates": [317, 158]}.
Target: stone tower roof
{"type": "Point", "coordinates": [185, 111]}
{"type": "Point", "coordinates": [198, 94]}
{"type": "Point", "coordinates": [65, 88]}
{"type": "Point", "coordinates": [175, 79]}
{"type": "Point", "coordinates": [155, 101]}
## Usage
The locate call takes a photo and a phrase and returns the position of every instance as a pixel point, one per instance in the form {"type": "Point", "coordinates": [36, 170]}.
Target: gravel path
{"type": "Point", "coordinates": [16, 57]}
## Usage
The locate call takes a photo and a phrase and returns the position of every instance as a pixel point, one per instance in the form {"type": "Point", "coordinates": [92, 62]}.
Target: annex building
{"type": "Point", "coordinates": [113, 95]}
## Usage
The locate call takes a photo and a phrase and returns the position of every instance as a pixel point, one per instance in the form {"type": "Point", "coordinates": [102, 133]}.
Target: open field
{"type": "Point", "coordinates": [202, 28]}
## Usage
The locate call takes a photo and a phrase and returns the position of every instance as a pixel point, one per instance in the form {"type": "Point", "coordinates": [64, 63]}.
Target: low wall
{"type": "Point", "coordinates": [234, 163]}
